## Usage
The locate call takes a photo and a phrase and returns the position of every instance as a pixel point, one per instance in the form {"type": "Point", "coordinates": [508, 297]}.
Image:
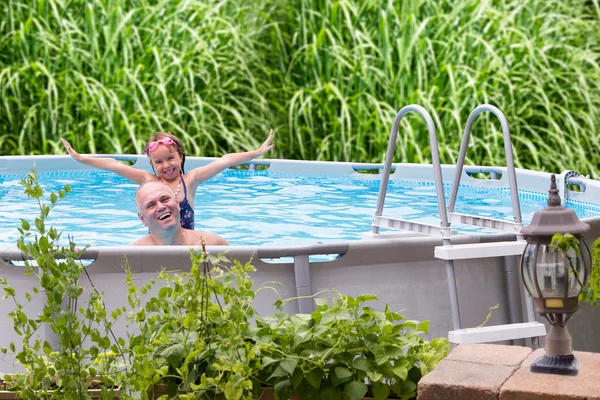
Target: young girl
{"type": "Point", "coordinates": [167, 159]}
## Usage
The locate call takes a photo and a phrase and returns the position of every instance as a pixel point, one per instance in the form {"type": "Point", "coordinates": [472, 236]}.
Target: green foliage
{"type": "Point", "coordinates": [84, 350]}
{"type": "Point", "coordinates": [328, 75]}
{"type": "Point", "coordinates": [347, 348]}
{"type": "Point", "coordinates": [195, 332]}
{"type": "Point", "coordinates": [590, 292]}
{"type": "Point", "coordinates": [199, 334]}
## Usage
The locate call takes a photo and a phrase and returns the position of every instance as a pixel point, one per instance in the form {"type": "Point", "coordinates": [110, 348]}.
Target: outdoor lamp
{"type": "Point", "coordinates": [553, 281]}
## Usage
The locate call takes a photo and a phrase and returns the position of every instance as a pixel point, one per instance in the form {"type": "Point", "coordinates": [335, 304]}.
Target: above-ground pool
{"type": "Point", "coordinates": [258, 207]}
{"type": "Point", "coordinates": [311, 216]}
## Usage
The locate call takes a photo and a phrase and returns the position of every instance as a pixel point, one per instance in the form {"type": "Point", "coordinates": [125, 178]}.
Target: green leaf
{"type": "Point", "coordinates": [340, 375]}
{"type": "Point", "coordinates": [374, 376]}
{"type": "Point", "coordinates": [164, 292]}
{"type": "Point", "coordinates": [394, 352]}
{"type": "Point", "coordinates": [408, 388]}
{"type": "Point", "coordinates": [297, 378]}
{"type": "Point", "coordinates": [410, 324]}
{"type": "Point", "coordinates": [367, 297]}
{"type": "Point", "coordinates": [25, 225]}
{"type": "Point", "coordinates": [423, 326]}
{"type": "Point", "coordinates": [380, 391]}
{"type": "Point", "coordinates": [361, 364]}
{"type": "Point", "coordinates": [173, 354]}
{"type": "Point", "coordinates": [283, 389]}
{"type": "Point", "coordinates": [268, 360]}
{"type": "Point", "coordinates": [285, 369]}
{"type": "Point", "coordinates": [47, 348]}
{"type": "Point", "coordinates": [400, 371]}
{"type": "Point", "coordinates": [344, 357]}
{"type": "Point", "coordinates": [331, 393]}
{"type": "Point", "coordinates": [314, 377]}
{"type": "Point", "coordinates": [320, 301]}
{"type": "Point", "coordinates": [43, 243]}
{"type": "Point", "coordinates": [289, 365]}
{"type": "Point", "coordinates": [39, 224]}
{"type": "Point", "coordinates": [355, 390]}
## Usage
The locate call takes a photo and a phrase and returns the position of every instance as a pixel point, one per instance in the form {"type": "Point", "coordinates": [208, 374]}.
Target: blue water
{"type": "Point", "coordinates": [252, 207]}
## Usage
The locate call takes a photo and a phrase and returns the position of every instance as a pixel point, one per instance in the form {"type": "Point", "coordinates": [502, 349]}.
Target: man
{"type": "Point", "coordinates": [159, 211]}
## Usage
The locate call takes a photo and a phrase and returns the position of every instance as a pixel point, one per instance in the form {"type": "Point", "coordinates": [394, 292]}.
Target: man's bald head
{"type": "Point", "coordinates": [149, 187]}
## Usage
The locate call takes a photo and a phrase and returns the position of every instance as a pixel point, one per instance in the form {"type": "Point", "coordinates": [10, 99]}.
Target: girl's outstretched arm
{"type": "Point", "coordinates": [110, 164]}
{"type": "Point", "coordinates": [206, 172]}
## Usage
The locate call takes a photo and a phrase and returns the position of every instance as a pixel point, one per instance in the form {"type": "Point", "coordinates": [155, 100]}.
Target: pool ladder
{"type": "Point", "coordinates": [447, 251]}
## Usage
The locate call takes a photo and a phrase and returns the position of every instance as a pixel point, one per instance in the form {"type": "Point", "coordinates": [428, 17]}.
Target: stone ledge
{"type": "Point", "coordinates": [463, 380]}
{"type": "Point", "coordinates": [526, 385]}
{"type": "Point", "coordinates": [493, 354]}
{"type": "Point", "coordinates": [495, 372]}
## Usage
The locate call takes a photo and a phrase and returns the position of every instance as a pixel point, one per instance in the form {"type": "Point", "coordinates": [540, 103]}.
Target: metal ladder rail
{"type": "Point", "coordinates": [510, 163]}
{"type": "Point", "coordinates": [439, 187]}
{"type": "Point", "coordinates": [437, 169]}
{"type": "Point", "coordinates": [512, 180]}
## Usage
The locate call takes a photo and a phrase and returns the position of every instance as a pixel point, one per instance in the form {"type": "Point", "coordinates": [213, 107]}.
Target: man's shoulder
{"type": "Point", "coordinates": [143, 241]}
{"type": "Point", "coordinates": [211, 239]}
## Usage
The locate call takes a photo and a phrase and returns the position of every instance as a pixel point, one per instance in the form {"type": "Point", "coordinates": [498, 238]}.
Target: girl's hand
{"type": "Point", "coordinates": [267, 145]}
{"type": "Point", "coordinates": [70, 150]}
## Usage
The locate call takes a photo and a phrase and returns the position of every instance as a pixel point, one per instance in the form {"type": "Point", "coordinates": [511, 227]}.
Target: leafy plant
{"type": "Point", "coordinates": [198, 333]}
{"type": "Point", "coordinates": [195, 332]}
{"type": "Point", "coordinates": [82, 329]}
{"type": "Point", "coordinates": [197, 336]}
{"type": "Point", "coordinates": [348, 349]}
{"type": "Point", "coordinates": [590, 292]}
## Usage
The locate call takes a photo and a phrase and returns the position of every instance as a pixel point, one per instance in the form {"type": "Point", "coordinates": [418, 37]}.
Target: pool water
{"type": "Point", "coordinates": [252, 207]}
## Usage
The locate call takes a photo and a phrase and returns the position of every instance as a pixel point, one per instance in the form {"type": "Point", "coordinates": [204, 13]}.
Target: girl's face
{"type": "Point", "coordinates": [166, 162]}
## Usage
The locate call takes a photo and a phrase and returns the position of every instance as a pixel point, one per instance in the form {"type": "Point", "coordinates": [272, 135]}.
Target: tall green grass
{"type": "Point", "coordinates": [106, 74]}
{"type": "Point", "coordinates": [329, 76]}
{"type": "Point", "coordinates": [354, 64]}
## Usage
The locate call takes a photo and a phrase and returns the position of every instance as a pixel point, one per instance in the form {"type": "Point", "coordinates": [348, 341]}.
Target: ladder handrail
{"type": "Point", "coordinates": [510, 163]}
{"type": "Point", "coordinates": [435, 156]}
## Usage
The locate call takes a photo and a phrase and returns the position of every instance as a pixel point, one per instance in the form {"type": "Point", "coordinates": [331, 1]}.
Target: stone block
{"type": "Point", "coordinates": [463, 380]}
{"type": "Point", "coordinates": [526, 385]}
{"type": "Point", "coordinates": [493, 354]}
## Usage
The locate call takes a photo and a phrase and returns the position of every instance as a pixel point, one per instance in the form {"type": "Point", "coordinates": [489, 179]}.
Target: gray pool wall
{"type": "Point", "coordinates": [402, 271]}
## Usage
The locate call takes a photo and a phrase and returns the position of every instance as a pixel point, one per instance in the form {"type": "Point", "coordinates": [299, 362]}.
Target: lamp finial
{"type": "Point", "coordinates": [553, 198]}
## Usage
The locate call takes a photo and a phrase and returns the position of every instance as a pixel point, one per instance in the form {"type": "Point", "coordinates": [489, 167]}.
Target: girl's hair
{"type": "Point", "coordinates": [178, 146]}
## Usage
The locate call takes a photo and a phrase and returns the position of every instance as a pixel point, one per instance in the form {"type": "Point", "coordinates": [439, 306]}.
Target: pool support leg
{"type": "Point", "coordinates": [513, 287]}
{"type": "Point", "coordinates": [303, 286]}
{"type": "Point", "coordinates": [453, 294]}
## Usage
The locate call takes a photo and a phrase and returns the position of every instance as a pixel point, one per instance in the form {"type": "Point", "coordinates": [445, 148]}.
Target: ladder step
{"type": "Point", "coordinates": [483, 222]}
{"type": "Point", "coordinates": [497, 333]}
{"type": "Point", "coordinates": [412, 226]}
{"type": "Point", "coordinates": [479, 250]}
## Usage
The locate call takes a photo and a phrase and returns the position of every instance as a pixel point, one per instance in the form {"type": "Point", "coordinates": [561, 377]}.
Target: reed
{"type": "Point", "coordinates": [328, 75]}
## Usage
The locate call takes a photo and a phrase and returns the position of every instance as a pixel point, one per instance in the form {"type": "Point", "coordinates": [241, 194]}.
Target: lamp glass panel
{"type": "Point", "coordinates": [527, 266]}
{"type": "Point", "coordinates": [552, 276]}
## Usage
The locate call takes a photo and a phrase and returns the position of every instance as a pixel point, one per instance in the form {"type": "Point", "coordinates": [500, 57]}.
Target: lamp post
{"type": "Point", "coordinates": [554, 279]}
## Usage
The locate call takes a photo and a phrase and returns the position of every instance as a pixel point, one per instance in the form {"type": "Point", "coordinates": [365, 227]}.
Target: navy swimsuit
{"type": "Point", "coordinates": [186, 215]}
{"type": "Point", "coordinates": [186, 212]}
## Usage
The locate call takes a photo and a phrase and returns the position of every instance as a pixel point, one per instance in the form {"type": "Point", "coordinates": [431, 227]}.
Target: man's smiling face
{"type": "Point", "coordinates": [157, 207]}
